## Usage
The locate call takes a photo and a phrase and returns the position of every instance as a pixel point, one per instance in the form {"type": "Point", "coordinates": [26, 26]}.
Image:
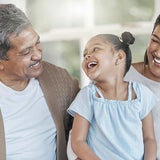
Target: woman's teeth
{"type": "Point", "coordinates": [157, 60]}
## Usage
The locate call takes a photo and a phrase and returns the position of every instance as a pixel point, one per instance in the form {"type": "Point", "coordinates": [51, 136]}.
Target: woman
{"type": "Point", "coordinates": [148, 73]}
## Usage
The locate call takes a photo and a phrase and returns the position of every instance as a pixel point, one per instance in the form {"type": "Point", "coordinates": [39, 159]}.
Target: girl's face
{"type": "Point", "coordinates": [99, 59]}
{"type": "Point", "coordinates": [153, 53]}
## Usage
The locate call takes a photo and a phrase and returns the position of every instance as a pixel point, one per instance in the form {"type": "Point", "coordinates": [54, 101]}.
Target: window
{"type": "Point", "coordinates": [65, 26]}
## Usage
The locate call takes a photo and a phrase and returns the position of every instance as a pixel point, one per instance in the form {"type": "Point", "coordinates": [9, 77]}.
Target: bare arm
{"type": "Point", "coordinates": [78, 139]}
{"type": "Point", "coordinates": [150, 146]}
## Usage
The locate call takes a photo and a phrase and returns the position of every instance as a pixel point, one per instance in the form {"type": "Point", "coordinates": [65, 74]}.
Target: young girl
{"type": "Point", "coordinates": [112, 117]}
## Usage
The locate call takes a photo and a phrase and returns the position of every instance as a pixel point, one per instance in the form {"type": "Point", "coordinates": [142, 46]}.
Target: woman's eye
{"type": "Point", "coordinates": [155, 40]}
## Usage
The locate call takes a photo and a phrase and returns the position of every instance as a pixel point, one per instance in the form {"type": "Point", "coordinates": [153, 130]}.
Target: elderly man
{"type": "Point", "coordinates": [34, 95]}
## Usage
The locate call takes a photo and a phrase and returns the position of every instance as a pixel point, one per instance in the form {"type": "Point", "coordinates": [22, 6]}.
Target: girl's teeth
{"type": "Point", "coordinates": [91, 64]}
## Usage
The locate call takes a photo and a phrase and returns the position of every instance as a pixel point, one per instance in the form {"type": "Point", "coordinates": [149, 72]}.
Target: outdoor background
{"type": "Point", "coordinates": [65, 25]}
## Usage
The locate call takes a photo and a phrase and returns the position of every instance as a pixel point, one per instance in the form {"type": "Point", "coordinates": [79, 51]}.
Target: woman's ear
{"type": "Point", "coordinates": [121, 56]}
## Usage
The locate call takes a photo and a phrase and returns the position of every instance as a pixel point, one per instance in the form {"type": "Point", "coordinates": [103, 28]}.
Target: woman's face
{"type": "Point", "coordinates": [153, 53]}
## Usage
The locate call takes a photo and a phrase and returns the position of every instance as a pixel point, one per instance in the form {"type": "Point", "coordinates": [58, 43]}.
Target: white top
{"type": "Point", "coordinates": [30, 131]}
{"type": "Point", "coordinates": [134, 75]}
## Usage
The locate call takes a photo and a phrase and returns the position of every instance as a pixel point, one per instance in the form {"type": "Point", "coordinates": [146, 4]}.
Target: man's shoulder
{"type": "Point", "coordinates": [47, 65]}
{"type": "Point", "coordinates": [49, 68]}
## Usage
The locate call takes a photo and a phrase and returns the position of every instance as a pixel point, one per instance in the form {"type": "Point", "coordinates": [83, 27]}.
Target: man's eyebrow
{"type": "Point", "coordinates": [156, 36]}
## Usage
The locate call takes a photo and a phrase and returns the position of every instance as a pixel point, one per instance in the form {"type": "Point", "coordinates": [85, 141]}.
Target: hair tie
{"type": "Point", "coordinates": [120, 39]}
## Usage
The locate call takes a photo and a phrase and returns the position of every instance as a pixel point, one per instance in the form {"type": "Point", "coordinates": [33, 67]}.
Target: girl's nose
{"type": "Point", "coordinates": [88, 56]}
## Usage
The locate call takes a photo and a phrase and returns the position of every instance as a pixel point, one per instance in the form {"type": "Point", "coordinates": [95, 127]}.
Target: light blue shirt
{"type": "Point", "coordinates": [115, 131]}
{"type": "Point", "coordinates": [30, 131]}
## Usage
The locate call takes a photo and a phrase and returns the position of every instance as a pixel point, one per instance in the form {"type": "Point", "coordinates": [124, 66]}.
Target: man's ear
{"type": "Point", "coordinates": [121, 56]}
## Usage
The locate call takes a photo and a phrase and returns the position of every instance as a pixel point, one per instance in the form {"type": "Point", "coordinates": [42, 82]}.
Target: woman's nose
{"type": "Point", "coordinates": [158, 53]}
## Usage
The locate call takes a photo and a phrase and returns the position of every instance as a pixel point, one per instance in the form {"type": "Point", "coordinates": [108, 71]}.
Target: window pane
{"type": "Point", "coordinates": [139, 47]}
{"type": "Point", "coordinates": [64, 54]}
{"type": "Point", "coordinates": [49, 14]}
{"type": "Point", "coordinates": [122, 11]}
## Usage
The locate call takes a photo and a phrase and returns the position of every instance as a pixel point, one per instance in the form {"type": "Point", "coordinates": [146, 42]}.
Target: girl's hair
{"type": "Point", "coordinates": [121, 43]}
{"type": "Point", "coordinates": [157, 22]}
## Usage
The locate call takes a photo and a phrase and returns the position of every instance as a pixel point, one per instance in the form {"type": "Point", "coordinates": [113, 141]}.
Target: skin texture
{"type": "Point", "coordinates": [24, 59]}
{"type": "Point", "coordinates": [105, 66]}
{"type": "Point", "coordinates": [152, 70]}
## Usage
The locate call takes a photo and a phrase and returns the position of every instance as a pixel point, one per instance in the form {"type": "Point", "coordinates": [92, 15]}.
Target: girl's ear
{"type": "Point", "coordinates": [121, 56]}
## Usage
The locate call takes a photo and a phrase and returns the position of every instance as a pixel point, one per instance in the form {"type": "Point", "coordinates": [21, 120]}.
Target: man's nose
{"type": "Point", "coordinates": [36, 53]}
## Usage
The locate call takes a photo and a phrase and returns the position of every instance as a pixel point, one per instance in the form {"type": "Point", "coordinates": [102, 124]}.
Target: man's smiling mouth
{"type": "Point", "coordinates": [35, 64]}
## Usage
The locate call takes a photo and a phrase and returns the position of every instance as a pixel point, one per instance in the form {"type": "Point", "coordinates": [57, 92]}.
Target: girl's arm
{"type": "Point", "coordinates": [78, 139]}
{"type": "Point", "coordinates": [150, 146]}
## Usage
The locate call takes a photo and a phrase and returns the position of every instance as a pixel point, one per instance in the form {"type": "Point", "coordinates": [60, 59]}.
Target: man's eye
{"type": "Point", "coordinates": [26, 51]}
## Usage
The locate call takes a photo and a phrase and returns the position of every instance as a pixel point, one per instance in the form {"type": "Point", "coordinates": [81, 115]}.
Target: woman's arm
{"type": "Point", "coordinates": [78, 139]}
{"type": "Point", "coordinates": [150, 146]}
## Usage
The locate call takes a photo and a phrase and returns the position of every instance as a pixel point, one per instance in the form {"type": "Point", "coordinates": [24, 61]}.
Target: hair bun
{"type": "Point", "coordinates": [127, 38]}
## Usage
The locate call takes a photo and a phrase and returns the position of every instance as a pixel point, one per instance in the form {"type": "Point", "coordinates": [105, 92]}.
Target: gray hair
{"type": "Point", "coordinates": [12, 22]}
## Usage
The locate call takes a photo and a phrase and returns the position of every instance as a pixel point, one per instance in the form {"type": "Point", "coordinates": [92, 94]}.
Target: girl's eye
{"type": "Point", "coordinates": [84, 55]}
{"type": "Point", "coordinates": [95, 49]}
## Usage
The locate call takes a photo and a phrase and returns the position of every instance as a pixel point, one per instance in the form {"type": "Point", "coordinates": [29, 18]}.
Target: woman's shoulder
{"type": "Point", "coordinates": [139, 66]}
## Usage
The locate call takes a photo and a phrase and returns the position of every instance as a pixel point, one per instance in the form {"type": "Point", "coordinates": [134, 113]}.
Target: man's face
{"type": "Point", "coordinates": [24, 56]}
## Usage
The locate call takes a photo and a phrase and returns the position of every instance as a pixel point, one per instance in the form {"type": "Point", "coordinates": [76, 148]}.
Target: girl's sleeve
{"type": "Point", "coordinates": [82, 104]}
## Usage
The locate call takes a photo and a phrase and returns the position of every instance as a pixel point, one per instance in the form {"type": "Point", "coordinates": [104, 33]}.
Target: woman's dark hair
{"type": "Point", "coordinates": [121, 43]}
{"type": "Point", "coordinates": [157, 22]}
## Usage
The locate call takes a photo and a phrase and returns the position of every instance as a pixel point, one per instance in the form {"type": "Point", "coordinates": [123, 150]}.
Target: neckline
{"type": "Point", "coordinates": [130, 86]}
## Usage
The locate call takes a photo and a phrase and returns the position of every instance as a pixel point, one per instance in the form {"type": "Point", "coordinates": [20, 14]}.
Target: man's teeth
{"type": "Point", "coordinates": [91, 64]}
{"type": "Point", "coordinates": [34, 65]}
